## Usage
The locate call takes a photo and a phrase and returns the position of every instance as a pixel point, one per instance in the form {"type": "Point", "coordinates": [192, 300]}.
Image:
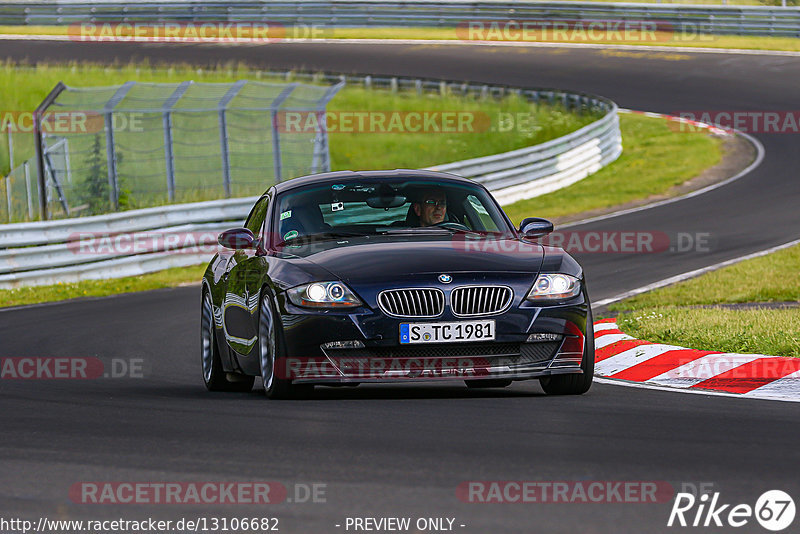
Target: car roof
{"type": "Point", "coordinates": [393, 175]}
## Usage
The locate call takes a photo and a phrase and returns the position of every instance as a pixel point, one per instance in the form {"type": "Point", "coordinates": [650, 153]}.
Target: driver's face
{"type": "Point", "coordinates": [432, 209]}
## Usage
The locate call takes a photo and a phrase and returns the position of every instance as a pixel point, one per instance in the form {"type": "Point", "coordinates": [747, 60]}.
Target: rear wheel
{"type": "Point", "coordinates": [493, 383]}
{"type": "Point", "coordinates": [575, 384]}
{"type": "Point", "coordinates": [271, 354]}
{"type": "Point", "coordinates": [214, 376]}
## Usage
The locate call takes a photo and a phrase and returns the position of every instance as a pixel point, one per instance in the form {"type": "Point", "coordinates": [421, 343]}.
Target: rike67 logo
{"type": "Point", "coordinates": [774, 510]}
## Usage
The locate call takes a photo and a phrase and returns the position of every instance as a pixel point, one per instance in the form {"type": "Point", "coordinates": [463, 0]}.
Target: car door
{"type": "Point", "coordinates": [240, 305]}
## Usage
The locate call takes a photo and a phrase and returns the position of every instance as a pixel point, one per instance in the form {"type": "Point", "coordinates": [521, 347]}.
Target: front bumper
{"type": "Point", "coordinates": [379, 357]}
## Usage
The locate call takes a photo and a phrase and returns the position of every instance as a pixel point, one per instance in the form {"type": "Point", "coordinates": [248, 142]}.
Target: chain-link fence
{"type": "Point", "coordinates": [144, 144]}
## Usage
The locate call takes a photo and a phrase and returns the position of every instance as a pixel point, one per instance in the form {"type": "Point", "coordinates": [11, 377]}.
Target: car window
{"type": "Point", "coordinates": [480, 219]}
{"type": "Point", "coordinates": [344, 213]}
{"type": "Point", "coordinates": [374, 206]}
{"type": "Point", "coordinates": [255, 221]}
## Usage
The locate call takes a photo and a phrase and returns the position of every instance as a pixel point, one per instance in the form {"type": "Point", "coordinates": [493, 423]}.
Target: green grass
{"type": "Point", "coordinates": [196, 139]}
{"type": "Point", "coordinates": [771, 278]}
{"type": "Point", "coordinates": [647, 167]}
{"type": "Point", "coordinates": [101, 288]}
{"type": "Point", "coordinates": [666, 316]}
{"type": "Point", "coordinates": [398, 150]}
{"type": "Point", "coordinates": [757, 331]}
{"type": "Point", "coordinates": [665, 39]}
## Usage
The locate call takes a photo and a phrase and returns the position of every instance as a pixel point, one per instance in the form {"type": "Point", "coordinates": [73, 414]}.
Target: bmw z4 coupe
{"type": "Point", "coordinates": [348, 277]}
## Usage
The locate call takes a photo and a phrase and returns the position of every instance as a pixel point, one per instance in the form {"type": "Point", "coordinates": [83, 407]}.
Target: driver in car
{"type": "Point", "coordinates": [432, 208]}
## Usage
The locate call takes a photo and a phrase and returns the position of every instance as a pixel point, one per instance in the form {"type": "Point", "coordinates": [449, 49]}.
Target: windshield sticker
{"type": "Point", "coordinates": [337, 187]}
{"type": "Point", "coordinates": [337, 206]}
{"type": "Point", "coordinates": [286, 214]}
{"type": "Point", "coordinates": [291, 234]}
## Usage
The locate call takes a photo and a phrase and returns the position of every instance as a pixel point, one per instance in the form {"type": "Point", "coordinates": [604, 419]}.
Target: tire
{"type": "Point", "coordinates": [214, 376]}
{"type": "Point", "coordinates": [575, 384]}
{"type": "Point", "coordinates": [490, 383]}
{"type": "Point", "coordinates": [270, 343]}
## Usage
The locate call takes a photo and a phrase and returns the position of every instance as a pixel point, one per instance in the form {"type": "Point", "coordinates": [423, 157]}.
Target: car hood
{"type": "Point", "coordinates": [353, 263]}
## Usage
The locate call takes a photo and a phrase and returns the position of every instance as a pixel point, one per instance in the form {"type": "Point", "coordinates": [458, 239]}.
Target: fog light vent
{"type": "Point", "coordinates": [355, 344]}
{"type": "Point", "coordinates": [544, 337]}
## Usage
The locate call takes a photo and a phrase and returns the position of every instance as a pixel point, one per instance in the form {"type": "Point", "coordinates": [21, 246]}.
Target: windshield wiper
{"type": "Point", "coordinates": [321, 236]}
{"type": "Point", "coordinates": [429, 230]}
{"type": "Point", "coordinates": [415, 230]}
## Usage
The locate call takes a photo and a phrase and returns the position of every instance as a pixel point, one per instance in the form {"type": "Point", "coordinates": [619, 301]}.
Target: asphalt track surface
{"type": "Point", "coordinates": [399, 450]}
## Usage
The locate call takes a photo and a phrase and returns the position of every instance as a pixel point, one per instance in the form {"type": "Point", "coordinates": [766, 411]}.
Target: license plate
{"type": "Point", "coordinates": [446, 332]}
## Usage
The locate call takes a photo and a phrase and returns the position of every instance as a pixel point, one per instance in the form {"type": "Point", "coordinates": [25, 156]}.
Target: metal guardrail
{"type": "Point", "coordinates": [546, 167]}
{"type": "Point", "coordinates": [49, 252]}
{"type": "Point", "coordinates": [749, 20]}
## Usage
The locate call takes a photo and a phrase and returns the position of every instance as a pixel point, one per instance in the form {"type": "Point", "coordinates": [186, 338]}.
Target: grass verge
{"type": "Point", "coordinates": [670, 315]}
{"type": "Point", "coordinates": [646, 167]}
{"type": "Point", "coordinates": [101, 288]}
{"type": "Point", "coordinates": [394, 135]}
{"type": "Point", "coordinates": [660, 38]}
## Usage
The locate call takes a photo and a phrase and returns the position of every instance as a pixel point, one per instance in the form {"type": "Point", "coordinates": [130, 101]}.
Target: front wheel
{"type": "Point", "coordinates": [214, 376]}
{"type": "Point", "coordinates": [575, 384]}
{"type": "Point", "coordinates": [271, 354]}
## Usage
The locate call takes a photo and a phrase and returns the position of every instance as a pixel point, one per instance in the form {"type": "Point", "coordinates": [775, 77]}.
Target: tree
{"type": "Point", "coordinates": [93, 191]}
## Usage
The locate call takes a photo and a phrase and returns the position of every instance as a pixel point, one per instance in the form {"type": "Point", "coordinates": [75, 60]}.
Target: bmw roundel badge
{"type": "Point", "coordinates": [445, 278]}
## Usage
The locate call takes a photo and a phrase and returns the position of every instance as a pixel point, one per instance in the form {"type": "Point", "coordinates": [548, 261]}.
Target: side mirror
{"type": "Point", "coordinates": [533, 227]}
{"type": "Point", "coordinates": [237, 238]}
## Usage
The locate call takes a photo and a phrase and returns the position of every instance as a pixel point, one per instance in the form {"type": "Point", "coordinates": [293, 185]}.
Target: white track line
{"type": "Point", "coordinates": [756, 162]}
{"type": "Point", "coordinates": [691, 274]}
{"type": "Point", "coordinates": [640, 385]}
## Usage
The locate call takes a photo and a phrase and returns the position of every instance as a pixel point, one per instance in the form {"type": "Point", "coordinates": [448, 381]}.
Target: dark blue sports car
{"type": "Point", "coordinates": [391, 276]}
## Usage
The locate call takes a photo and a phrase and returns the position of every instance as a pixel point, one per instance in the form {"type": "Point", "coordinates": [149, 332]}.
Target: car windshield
{"type": "Point", "coordinates": [380, 207]}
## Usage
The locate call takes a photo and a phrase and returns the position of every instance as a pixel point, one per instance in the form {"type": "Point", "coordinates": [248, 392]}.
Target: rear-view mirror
{"type": "Point", "coordinates": [237, 238]}
{"type": "Point", "coordinates": [533, 227]}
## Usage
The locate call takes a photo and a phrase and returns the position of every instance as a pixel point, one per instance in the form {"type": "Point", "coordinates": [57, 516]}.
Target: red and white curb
{"type": "Point", "coordinates": [622, 357]}
{"type": "Point", "coordinates": [712, 128]}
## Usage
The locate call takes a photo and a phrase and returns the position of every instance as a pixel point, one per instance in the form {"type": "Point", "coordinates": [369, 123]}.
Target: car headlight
{"type": "Point", "coordinates": [323, 295]}
{"type": "Point", "coordinates": [554, 286]}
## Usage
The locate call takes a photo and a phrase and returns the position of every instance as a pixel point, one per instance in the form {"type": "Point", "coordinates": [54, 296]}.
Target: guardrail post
{"type": "Point", "coordinates": [167, 122]}
{"type": "Point", "coordinates": [321, 158]}
{"type": "Point", "coordinates": [111, 162]}
{"type": "Point", "coordinates": [28, 189]}
{"type": "Point", "coordinates": [38, 143]}
{"type": "Point", "coordinates": [277, 163]}
{"type": "Point", "coordinates": [223, 135]}
{"type": "Point", "coordinates": [111, 153]}
{"type": "Point", "coordinates": [8, 195]}
{"type": "Point", "coordinates": [10, 150]}
{"type": "Point", "coordinates": [56, 184]}
{"type": "Point", "coordinates": [67, 166]}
